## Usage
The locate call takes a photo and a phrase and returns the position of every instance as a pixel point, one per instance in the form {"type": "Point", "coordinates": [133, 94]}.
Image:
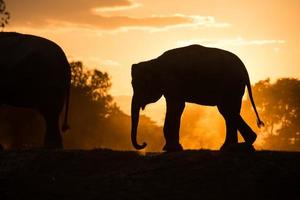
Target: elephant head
{"type": "Point", "coordinates": [146, 89]}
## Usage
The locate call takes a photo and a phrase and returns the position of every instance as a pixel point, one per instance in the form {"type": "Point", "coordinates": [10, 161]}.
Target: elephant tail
{"type": "Point", "coordinates": [65, 125]}
{"type": "Point", "coordinates": [259, 122]}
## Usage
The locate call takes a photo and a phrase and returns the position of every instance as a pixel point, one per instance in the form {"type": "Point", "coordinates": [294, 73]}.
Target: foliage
{"type": "Point", "coordinates": [279, 106]}
{"type": "Point", "coordinates": [89, 104]}
{"type": "Point", "coordinates": [93, 86]}
{"type": "Point", "coordinates": [4, 14]}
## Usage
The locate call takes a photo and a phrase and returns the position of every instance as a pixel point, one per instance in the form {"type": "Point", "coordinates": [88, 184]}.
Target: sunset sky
{"type": "Point", "coordinates": [111, 35]}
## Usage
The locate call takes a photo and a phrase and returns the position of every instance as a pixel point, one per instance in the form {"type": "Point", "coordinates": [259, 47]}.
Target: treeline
{"type": "Point", "coordinates": [279, 105]}
{"type": "Point", "coordinates": [97, 122]}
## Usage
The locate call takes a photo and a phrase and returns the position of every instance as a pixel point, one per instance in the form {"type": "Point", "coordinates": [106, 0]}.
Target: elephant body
{"type": "Point", "coordinates": [195, 74]}
{"type": "Point", "coordinates": [35, 73]}
{"type": "Point", "coordinates": [198, 74]}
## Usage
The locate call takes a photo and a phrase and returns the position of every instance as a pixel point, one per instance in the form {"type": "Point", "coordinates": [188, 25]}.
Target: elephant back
{"type": "Point", "coordinates": [28, 59]}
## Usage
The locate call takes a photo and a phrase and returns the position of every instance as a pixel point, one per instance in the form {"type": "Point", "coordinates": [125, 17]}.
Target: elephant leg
{"type": "Point", "coordinates": [231, 113]}
{"type": "Point", "coordinates": [231, 132]}
{"type": "Point", "coordinates": [230, 110]}
{"type": "Point", "coordinates": [50, 107]}
{"type": "Point", "coordinates": [53, 139]}
{"type": "Point", "coordinates": [248, 134]}
{"type": "Point", "coordinates": [172, 125]}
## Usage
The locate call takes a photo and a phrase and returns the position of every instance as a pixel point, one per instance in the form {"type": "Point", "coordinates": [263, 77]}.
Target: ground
{"type": "Point", "coordinates": [107, 174]}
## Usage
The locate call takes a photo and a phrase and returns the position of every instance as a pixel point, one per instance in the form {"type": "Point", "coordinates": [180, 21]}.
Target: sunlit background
{"type": "Point", "coordinates": [111, 35]}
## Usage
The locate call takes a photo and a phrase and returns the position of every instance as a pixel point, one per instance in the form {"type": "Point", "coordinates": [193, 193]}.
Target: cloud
{"type": "Point", "coordinates": [111, 63]}
{"type": "Point", "coordinates": [92, 14]}
{"type": "Point", "coordinates": [230, 42]}
{"type": "Point", "coordinates": [194, 21]}
{"type": "Point", "coordinates": [129, 6]}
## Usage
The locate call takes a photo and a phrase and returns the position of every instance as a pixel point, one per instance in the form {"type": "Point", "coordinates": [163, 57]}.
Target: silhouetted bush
{"type": "Point", "coordinates": [279, 105]}
{"type": "Point", "coordinates": [4, 14]}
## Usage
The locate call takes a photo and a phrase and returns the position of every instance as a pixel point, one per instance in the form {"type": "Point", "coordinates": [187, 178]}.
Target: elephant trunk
{"type": "Point", "coordinates": [135, 112]}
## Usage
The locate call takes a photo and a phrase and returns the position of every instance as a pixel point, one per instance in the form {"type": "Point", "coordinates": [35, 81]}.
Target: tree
{"type": "Point", "coordinates": [4, 14]}
{"type": "Point", "coordinates": [90, 105]}
{"type": "Point", "coordinates": [279, 106]}
{"type": "Point", "coordinates": [93, 85]}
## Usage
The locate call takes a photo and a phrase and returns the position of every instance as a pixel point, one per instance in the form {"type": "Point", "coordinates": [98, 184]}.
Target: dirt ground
{"type": "Point", "coordinates": [107, 174]}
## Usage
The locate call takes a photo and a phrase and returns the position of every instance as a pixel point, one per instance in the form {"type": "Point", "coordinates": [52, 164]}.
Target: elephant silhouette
{"type": "Point", "coordinates": [35, 73]}
{"type": "Point", "coordinates": [195, 74]}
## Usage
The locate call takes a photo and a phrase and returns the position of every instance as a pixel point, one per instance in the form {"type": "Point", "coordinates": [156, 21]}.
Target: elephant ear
{"type": "Point", "coordinates": [146, 83]}
{"type": "Point", "coordinates": [136, 79]}
{"type": "Point", "coordinates": [133, 71]}
{"type": "Point", "coordinates": [152, 74]}
{"type": "Point", "coordinates": [142, 74]}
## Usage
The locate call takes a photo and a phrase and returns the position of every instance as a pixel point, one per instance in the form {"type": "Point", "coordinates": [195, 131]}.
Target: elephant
{"type": "Point", "coordinates": [194, 74]}
{"type": "Point", "coordinates": [35, 74]}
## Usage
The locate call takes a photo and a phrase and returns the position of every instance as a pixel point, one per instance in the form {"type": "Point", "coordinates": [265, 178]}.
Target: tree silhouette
{"type": "Point", "coordinates": [93, 85]}
{"type": "Point", "coordinates": [90, 105]}
{"type": "Point", "coordinates": [279, 104]}
{"type": "Point", "coordinates": [4, 14]}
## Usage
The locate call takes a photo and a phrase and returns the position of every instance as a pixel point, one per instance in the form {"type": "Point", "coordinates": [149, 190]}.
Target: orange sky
{"type": "Point", "coordinates": [113, 34]}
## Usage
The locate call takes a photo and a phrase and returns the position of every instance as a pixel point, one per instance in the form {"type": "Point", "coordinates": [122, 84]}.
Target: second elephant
{"type": "Point", "coordinates": [35, 74]}
{"type": "Point", "coordinates": [196, 74]}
